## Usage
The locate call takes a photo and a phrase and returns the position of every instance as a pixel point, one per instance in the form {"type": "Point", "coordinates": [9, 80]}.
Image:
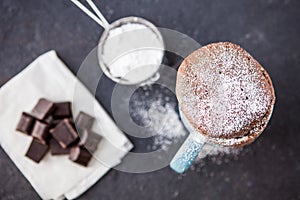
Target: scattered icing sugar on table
{"type": "Point", "coordinates": [163, 122]}
{"type": "Point", "coordinates": [133, 51]}
{"type": "Point", "coordinates": [166, 122]}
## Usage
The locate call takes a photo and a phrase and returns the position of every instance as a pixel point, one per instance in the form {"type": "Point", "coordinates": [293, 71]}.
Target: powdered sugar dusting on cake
{"type": "Point", "coordinates": [223, 91]}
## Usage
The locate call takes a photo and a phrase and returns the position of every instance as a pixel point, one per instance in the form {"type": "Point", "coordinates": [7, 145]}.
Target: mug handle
{"type": "Point", "coordinates": [186, 154]}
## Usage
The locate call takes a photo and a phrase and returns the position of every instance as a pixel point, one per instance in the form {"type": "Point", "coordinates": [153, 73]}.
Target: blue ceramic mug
{"type": "Point", "coordinates": [189, 149]}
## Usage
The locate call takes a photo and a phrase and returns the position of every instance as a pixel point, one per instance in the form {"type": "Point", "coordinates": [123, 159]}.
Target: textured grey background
{"type": "Point", "coordinates": [269, 29]}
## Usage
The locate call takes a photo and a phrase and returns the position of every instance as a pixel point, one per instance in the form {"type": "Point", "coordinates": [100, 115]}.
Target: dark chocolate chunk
{"type": "Point", "coordinates": [84, 121]}
{"type": "Point", "coordinates": [36, 151]}
{"type": "Point", "coordinates": [89, 140]}
{"type": "Point", "coordinates": [64, 133]}
{"type": "Point", "coordinates": [40, 131]}
{"type": "Point", "coordinates": [62, 110]}
{"type": "Point", "coordinates": [80, 155]}
{"type": "Point", "coordinates": [42, 109]}
{"type": "Point", "coordinates": [83, 136]}
{"type": "Point", "coordinates": [56, 149]}
{"type": "Point", "coordinates": [26, 123]}
{"type": "Point", "coordinates": [54, 123]}
{"type": "Point", "coordinates": [49, 119]}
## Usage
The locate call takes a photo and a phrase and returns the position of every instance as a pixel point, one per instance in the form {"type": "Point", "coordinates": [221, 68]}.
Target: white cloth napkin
{"type": "Point", "coordinates": [56, 176]}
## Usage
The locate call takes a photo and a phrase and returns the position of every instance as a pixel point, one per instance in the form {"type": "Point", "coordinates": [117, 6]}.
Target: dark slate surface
{"type": "Point", "coordinates": [269, 29]}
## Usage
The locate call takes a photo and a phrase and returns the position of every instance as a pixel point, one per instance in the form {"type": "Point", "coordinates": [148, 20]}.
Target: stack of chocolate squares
{"type": "Point", "coordinates": [51, 126]}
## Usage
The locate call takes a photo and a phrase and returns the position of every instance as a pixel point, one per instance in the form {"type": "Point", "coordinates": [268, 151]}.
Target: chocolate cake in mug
{"type": "Point", "coordinates": [225, 94]}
